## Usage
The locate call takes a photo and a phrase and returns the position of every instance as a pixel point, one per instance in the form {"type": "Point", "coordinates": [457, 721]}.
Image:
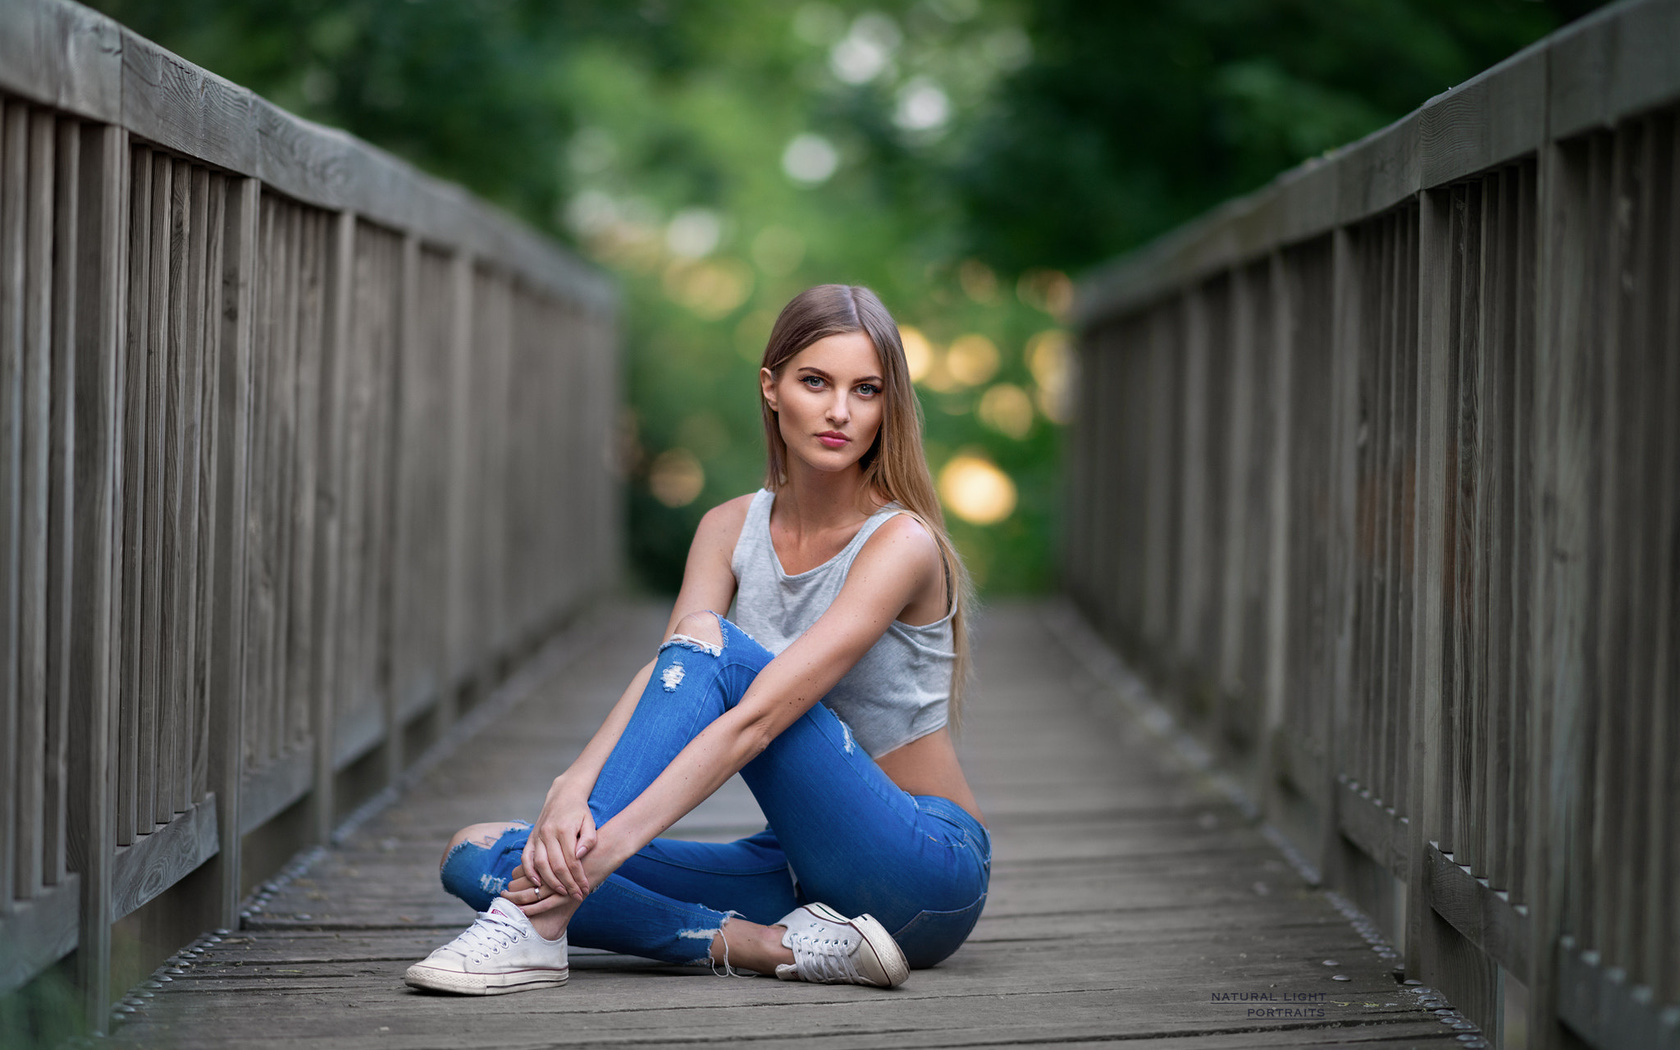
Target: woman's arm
{"type": "Point", "coordinates": [898, 564]}
{"type": "Point", "coordinates": [565, 831]}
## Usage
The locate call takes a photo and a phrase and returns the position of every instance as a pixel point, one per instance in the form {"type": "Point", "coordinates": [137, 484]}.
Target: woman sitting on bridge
{"type": "Point", "coordinates": [846, 590]}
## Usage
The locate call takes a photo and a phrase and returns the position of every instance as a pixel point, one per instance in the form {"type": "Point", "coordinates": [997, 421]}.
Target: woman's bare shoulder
{"type": "Point", "coordinates": [902, 544]}
{"type": "Point", "coordinates": [721, 526]}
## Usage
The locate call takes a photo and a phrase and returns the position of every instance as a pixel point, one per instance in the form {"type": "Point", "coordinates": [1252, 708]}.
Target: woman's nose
{"type": "Point", "coordinates": [838, 410]}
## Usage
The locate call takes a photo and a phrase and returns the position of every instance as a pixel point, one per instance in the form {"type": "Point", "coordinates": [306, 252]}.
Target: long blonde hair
{"type": "Point", "coordinates": [895, 466]}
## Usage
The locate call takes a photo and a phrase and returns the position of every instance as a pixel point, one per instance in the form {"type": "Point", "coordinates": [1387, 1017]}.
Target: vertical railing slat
{"type": "Point", "coordinates": [61, 551]}
{"type": "Point", "coordinates": [34, 447]}
{"type": "Point", "coordinates": [95, 606]}
{"type": "Point", "coordinates": [14, 200]}
{"type": "Point", "coordinates": [150, 497]}
{"type": "Point", "coordinates": [190, 393]}
{"type": "Point", "coordinates": [171, 439]}
{"type": "Point", "coordinates": [229, 598]}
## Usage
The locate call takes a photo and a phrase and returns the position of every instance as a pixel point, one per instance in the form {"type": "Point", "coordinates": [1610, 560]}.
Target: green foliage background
{"type": "Point", "coordinates": [992, 146]}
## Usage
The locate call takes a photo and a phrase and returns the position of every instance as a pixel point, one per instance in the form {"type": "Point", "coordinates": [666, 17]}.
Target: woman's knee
{"type": "Point", "coordinates": [700, 626]}
{"type": "Point", "coordinates": [483, 835]}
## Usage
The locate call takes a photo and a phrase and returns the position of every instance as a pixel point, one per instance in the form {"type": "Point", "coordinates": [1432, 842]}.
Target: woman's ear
{"type": "Point", "coordinates": [767, 386]}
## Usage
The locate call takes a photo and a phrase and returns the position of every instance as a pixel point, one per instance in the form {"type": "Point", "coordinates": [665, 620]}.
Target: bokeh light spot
{"type": "Point", "coordinates": [922, 106]}
{"type": "Point", "coordinates": [676, 477]}
{"type": "Point", "coordinates": [693, 233]}
{"type": "Point", "coordinates": [918, 352]}
{"type": "Point", "coordinates": [1007, 409]}
{"type": "Point", "coordinates": [865, 52]}
{"type": "Point", "coordinates": [976, 491]}
{"type": "Point", "coordinates": [810, 159]}
{"type": "Point", "coordinates": [1051, 361]}
{"type": "Point", "coordinates": [972, 359]}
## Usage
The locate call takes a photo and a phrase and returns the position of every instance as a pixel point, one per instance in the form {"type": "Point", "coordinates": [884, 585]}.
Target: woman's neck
{"type": "Point", "coordinates": [818, 500]}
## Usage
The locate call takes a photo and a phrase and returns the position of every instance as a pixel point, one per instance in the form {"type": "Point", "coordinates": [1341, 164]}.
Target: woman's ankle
{"type": "Point", "coordinates": [743, 945]}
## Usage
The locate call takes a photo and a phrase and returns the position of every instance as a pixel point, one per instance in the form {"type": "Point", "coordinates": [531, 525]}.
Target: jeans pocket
{"type": "Point", "coordinates": [932, 936]}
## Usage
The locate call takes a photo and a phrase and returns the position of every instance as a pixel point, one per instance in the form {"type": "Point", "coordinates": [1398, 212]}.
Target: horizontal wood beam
{"type": "Point", "coordinates": [39, 932]}
{"type": "Point", "coordinates": [1484, 915]}
{"type": "Point", "coordinates": [1374, 827]}
{"type": "Point", "coordinates": [155, 862]}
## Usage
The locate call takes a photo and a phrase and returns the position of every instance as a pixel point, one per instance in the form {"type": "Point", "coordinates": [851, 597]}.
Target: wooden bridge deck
{"type": "Point", "coordinates": [1130, 901]}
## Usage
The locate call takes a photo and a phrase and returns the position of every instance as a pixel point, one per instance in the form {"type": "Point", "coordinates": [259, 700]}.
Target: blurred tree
{"type": "Point", "coordinates": [1160, 109]}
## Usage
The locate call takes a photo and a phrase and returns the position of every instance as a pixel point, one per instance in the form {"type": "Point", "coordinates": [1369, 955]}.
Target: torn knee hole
{"type": "Point", "coordinates": [702, 627]}
{"type": "Point", "coordinates": [700, 632]}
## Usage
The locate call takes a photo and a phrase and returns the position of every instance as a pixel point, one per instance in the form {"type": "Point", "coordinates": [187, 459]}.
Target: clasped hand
{"type": "Point", "coordinates": [551, 871]}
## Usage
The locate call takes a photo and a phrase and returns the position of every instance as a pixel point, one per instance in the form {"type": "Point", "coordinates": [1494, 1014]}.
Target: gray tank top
{"type": "Point", "coordinates": [900, 690]}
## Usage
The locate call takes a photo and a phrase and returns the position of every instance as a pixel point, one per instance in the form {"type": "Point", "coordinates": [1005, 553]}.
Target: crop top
{"type": "Point", "coordinates": [900, 690]}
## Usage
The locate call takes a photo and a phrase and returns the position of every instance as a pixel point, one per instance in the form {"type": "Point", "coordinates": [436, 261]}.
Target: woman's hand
{"type": "Point", "coordinates": [563, 834]}
{"type": "Point", "coordinates": [533, 898]}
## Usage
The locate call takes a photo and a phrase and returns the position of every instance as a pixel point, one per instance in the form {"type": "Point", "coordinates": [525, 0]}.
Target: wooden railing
{"type": "Point", "coordinates": [1377, 472]}
{"type": "Point", "coordinates": [299, 450]}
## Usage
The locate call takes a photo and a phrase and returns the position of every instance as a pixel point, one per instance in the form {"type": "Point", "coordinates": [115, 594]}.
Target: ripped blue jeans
{"type": "Point", "coordinates": [840, 831]}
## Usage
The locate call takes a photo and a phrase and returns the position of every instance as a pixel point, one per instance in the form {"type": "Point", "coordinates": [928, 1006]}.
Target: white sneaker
{"type": "Point", "coordinates": [829, 948]}
{"type": "Point", "coordinates": [500, 952]}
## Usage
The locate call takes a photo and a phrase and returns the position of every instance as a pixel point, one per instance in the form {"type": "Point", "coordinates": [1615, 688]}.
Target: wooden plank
{"type": "Point", "coordinates": [159, 860]}
{"type": "Point", "coordinates": [1612, 65]}
{"type": "Point", "coordinates": [63, 55]}
{"type": "Point", "coordinates": [1238, 509]}
{"type": "Point", "coordinates": [1484, 915]}
{"type": "Point", "coordinates": [1526, 443]}
{"type": "Point", "coordinates": [1346, 368]}
{"type": "Point", "coordinates": [31, 465]}
{"type": "Point", "coordinates": [279, 409]}
{"type": "Point", "coordinates": [259, 624]}
{"type": "Point", "coordinates": [1494, 117]}
{"type": "Point", "coordinates": [1274, 644]}
{"type": "Point", "coordinates": [1435, 429]}
{"type": "Point", "coordinates": [209, 460]}
{"type": "Point", "coordinates": [14, 138]}
{"type": "Point", "coordinates": [1601, 1005]}
{"type": "Point", "coordinates": [1138, 963]}
{"type": "Point", "coordinates": [39, 933]}
{"type": "Point", "coordinates": [300, 724]}
{"type": "Point", "coordinates": [228, 596]}
{"type": "Point", "coordinates": [1192, 417]}
{"type": "Point", "coordinates": [1662, 961]}
{"type": "Point", "coordinates": [189, 783]}
{"type": "Point", "coordinates": [95, 604]}
{"type": "Point", "coordinates": [172, 398]}
{"type": "Point", "coordinates": [407, 461]}
{"type": "Point", "coordinates": [1375, 828]}
{"type": "Point", "coordinates": [148, 757]}
{"type": "Point", "coordinates": [61, 541]}
{"type": "Point", "coordinates": [182, 107]}
{"type": "Point", "coordinates": [130, 485]}
{"type": "Point", "coordinates": [1558, 569]}
{"type": "Point", "coordinates": [267, 792]}
{"type": "Point", "coordinates": [327, 588]}
{"type": "Point", "coordinates": [459, 510]}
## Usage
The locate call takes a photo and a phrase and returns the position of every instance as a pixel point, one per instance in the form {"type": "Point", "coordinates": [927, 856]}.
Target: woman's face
{"type": "Point", "coordinates": [829, 400]}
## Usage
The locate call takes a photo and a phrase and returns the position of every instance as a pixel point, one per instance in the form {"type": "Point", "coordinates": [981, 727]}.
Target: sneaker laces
{"type": "Point", "coordinates": [824, 959]}
{"type": "Point", "coordinates": [487, 936]}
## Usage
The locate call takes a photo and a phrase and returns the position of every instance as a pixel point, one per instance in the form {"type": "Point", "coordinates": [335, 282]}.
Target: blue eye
{"type": "Point", "coordinates": [814, 382]}
{"type": "Point", "coordinates": [868, 389]}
